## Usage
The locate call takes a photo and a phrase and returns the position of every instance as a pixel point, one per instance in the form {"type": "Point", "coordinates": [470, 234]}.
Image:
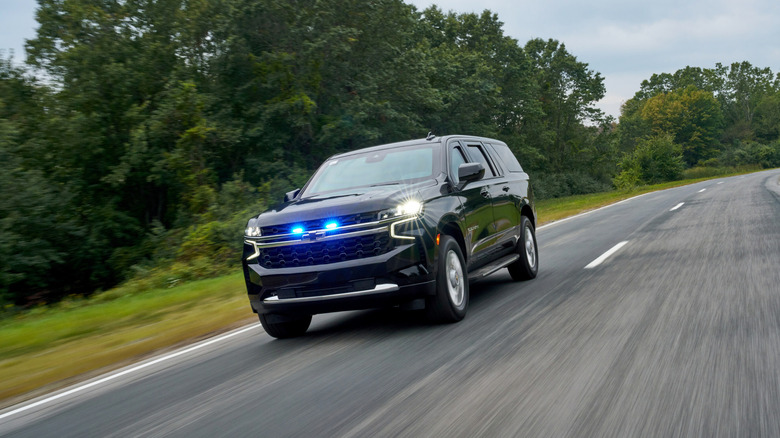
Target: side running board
{"type": "Point", "coordinates": [486, 270]}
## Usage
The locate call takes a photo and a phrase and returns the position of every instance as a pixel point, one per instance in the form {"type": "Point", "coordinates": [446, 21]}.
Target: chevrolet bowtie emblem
{"type": "Point", "coordinates": [313, 235]}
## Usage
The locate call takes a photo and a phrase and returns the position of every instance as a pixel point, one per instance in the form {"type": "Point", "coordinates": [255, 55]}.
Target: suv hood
{"type": "Point", "coordinates": [376, 199]}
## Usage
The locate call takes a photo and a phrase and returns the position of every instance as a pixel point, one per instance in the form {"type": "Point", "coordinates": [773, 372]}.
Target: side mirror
{"type": "Point", "coordinates": [289, 196]}
{"type": "Point", "coordinates": [470, 172]}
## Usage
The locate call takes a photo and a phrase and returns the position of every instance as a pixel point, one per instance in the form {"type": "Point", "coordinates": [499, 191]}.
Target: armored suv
{"type": "Point", "coordinates": [397, 224]}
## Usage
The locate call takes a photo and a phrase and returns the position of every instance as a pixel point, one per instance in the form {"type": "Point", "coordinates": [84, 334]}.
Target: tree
{"type": "Point", "coordinates": [567, 93]}
{"type": "Point", "coordinates": [744, 88]}
{"type": "Point", "coordinates": [691, 116]}
{"type": "Point", "coordinates": [483, 79]}
{"type": "Point", "coordinates": [704, 79]}
{"type": "Point", "coordinates": [767, 118]}
{"type": "Point", "coordinates": [39, 236]}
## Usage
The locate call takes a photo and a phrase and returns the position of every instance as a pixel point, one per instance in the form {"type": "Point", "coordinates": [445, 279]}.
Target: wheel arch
{"type": "Point", "coordinates": [527, 211]}
{"type": "Point", "coordinates": [452, 229]}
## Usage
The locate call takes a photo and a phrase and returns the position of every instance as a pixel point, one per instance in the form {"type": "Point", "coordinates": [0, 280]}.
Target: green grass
{"type": "Point", "coordinates": [51, 347]}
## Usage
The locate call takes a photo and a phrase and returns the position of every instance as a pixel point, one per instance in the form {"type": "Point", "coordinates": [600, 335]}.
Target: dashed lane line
{"type": "Point", "coordinates": [606, 255]}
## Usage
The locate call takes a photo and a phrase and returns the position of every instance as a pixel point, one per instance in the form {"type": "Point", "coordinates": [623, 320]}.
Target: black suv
{"type": "Point", "coordinates": [402, 223]}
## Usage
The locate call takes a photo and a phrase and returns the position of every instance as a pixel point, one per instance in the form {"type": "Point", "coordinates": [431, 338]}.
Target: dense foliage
{"type": "Point", "coordinates": [139, 135]}
{"type": "Point", "coordinates": [726, 116]}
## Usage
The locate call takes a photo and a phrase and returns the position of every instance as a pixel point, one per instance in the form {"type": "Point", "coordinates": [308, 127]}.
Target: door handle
{"type": "Point", "coordinates": [505, 188]}
{"type": "Point", "coordinates": [485, 193]}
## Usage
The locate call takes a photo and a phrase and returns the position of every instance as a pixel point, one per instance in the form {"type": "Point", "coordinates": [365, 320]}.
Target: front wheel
{"type": "Point", "coordinates": [452, 284]}
{"type": "Point", "coordinates": [528, 265]}
{"type": "Point", "coordinates": [282, 326]}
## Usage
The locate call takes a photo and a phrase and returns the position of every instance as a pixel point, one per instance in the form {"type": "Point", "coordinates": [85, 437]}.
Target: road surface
{"type": "Point", "coordinates": [675, 332]}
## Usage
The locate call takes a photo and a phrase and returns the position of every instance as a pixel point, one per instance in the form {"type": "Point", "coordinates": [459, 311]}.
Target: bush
{"type": "Point", "coordinates": [558, 185]}
{"type": "Point", "coordinates": [629, 178]}
{"type": "Point", "coordinates": [706, 172]}
{"type": "Point", "coordinates": [752, 153]}
{"type": "Point", "coordinates": [655, 160]}
{"type": "Point", "coordinates": [710, 172]}
{"type": "Point", "coordinates": [775, 157]}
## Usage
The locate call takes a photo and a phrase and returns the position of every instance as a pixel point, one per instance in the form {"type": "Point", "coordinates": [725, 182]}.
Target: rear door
{"type": "Point", "coordinates": [516, 178]}
{"type": "Point", "coordinates": [505, 214]}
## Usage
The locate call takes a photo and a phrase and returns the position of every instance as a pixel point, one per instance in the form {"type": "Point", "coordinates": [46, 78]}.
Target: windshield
{"type": "Point", "coordinates": [388, 167]}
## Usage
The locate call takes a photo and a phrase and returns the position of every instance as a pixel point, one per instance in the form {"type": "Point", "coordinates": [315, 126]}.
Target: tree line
{"type": "Point", "coordinates": [138, 136]}
{"type": "Point", "coordinates": [724, 116]}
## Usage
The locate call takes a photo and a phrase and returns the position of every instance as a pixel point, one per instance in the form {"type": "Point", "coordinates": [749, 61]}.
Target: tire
{"type": "Point", "coordinates": [528, 265]}
{"type": "Point", "coordinates": [452, 285]}
{"type": "Point", "coordinates": [281, 326]}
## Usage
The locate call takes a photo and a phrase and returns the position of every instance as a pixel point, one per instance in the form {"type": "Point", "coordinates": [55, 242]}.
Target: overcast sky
{"type": "Point", "coordinates": [629, 41]}
{"type": "Point", "coordinates": [625, 41]}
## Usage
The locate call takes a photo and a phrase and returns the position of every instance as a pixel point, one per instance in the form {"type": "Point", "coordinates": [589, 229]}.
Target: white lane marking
{"type": "Point", "coordinates": [604, 256]}
{"type": "Point", "coordinates": [702, 190]}
{"type": "Point", "coordinates": [559, 221]}
{"type": "Point", "coordinates": [677, 206]}
{"type": "Point", "coordinates": [720, 182]}
{"type": "Point", "coordinates": [127, 371]}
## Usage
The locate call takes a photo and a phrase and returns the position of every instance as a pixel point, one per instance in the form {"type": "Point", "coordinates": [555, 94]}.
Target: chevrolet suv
{"type": "Point", "coordinates": [407, 223]}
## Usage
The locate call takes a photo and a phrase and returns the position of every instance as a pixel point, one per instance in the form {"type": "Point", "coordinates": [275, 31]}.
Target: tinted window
{"type": "Point", "coordinates": [507, 157]}
{"type": "Point", "coordinates": [457, 159]}
{"type": "Point", "coordinates": [478, 154]}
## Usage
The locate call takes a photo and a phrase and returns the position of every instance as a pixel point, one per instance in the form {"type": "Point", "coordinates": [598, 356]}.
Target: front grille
{"type": "Point", "coordinates": [321, 253]}
{"type": "Point", "coordinates": [319, 224]}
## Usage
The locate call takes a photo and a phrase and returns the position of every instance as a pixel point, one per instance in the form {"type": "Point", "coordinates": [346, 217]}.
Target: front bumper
{"type": "Point", "coordinates": [397, 276]}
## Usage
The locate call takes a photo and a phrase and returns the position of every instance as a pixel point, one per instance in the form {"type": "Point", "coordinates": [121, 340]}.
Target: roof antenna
{"type": "Point", "coordinates": [430, 136]}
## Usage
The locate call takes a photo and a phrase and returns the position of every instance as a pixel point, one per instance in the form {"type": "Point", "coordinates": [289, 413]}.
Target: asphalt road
{"type": "Point", "coordinates": [677, 333]}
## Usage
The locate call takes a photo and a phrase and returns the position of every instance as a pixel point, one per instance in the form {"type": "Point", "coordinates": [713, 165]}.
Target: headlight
{"type": "Point", "coordinates": [252, 230]}
{"type": "Point", "coordinates": [408, 208]}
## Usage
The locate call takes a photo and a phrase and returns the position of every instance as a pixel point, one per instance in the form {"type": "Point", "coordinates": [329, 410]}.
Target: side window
{"type": "Point", "coordinates": [507, 158]}
{"type": "Point", "coordinates": [476, 152]}
{"type": "Point", "coordinates": [456, 159]}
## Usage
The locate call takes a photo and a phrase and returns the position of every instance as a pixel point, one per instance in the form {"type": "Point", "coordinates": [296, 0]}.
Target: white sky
{"type": "Point", "coordinates": [17, 23]}
{"type": "Point", "coordinates": [626, 41]}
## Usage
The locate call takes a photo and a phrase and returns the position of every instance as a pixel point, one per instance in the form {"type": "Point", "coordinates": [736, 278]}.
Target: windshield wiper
{"type": "Point", "coordinates": [325, 196]}
{"type": "Point", "coordinates": [385, 184]}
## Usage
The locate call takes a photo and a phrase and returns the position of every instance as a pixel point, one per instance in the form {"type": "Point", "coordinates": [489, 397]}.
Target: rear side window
{"type": "Point", "coordinates": [507, 157]}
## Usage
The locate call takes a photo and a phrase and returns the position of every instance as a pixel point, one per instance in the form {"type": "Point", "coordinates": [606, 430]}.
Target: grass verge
{"type": "Point", "coordinates": [57, 344]}
{"type": "Point", "coordinates": [49, 348]}
{"type": "Point", "coordinates": [550, 210]}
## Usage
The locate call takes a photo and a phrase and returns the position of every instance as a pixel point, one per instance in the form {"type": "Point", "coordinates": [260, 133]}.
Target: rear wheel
{"type": "Point", "coordinates": [452, 285]}
{"type": "Point", "coordinates": [283, 326]}
{"type": "Point", "coordinates": [528, 265]}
